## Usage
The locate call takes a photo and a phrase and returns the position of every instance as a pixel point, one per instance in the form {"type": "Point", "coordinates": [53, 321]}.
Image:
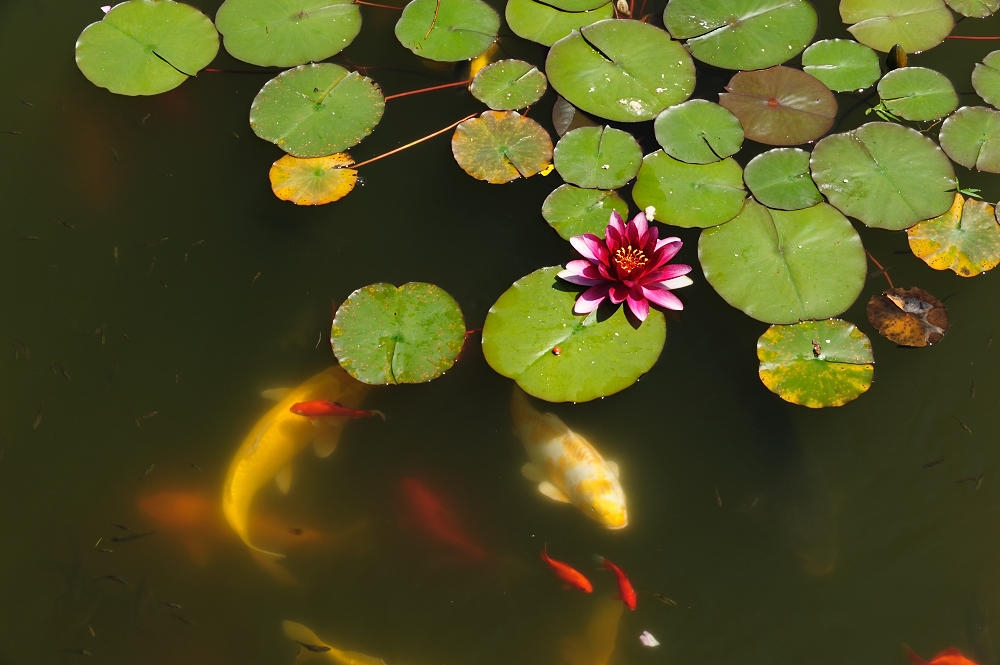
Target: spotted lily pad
{"type": "Point", "coordinates": [597, 157]}
{"type": "Point", "coordinates": [506, 85]}
{"type": "Point", "coordinates": [689, 195]}
{"type": "Point", "coordinates": [780, 179]}
{"type": "Point", "coordinates": [971, 137]}
{"type": "Point", "coordinates": [785, 266]}
{"type": "Point", "coordinates": [698, 132]}
{"type": "Point", "coordinates": [842, 64]}
{"type": "Point", "coordinates": [145, 47]}
{"type": "Point", "coordinates": [869, 174]}
{"type": "Point", "coordinates": [742, 34]}
{"type": "Point", "coordinates": [816, 363]}
{"type": "Point", "coordinates": [447, 30]}
{"type": "Point", "coordinates": [908, 317]}
{"type": "Point", "coordinates": [500, 146]}
{"type": "Point", "coordinates": [621, 70]}
{"type": "Point", "coordinates": [286, 33]}
{"type": "Point", "coordinates": [915, 25]}
{"type": "Point", "coordinates": [532, 336]}
{"type": "Point", "coordinates": [313, 180]}
{"type": "Point", "coordinates": [965, 240]}
{"type": "Point", "coordinates": [316, 110]}
{"type": "Point", "coordinates": [546, 24]}
{"type": "Point", "coordinates": [573, 211]}
{"type": "Point", "coordinates": [780, 105]}
{"type": "Point", "coordinates": [384, 334]}
{"type": "Point", "coordinates": [986, 78]}
{"type": "Point", "coordinates": [917, 93]}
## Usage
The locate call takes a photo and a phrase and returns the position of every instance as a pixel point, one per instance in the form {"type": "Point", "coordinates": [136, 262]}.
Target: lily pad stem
{"type": "Point", "coordinates": [375, 4]}
{"type": "Point", "coordinates": [413, 143]}
{"type": "Point", "coordinates": [430, 89]}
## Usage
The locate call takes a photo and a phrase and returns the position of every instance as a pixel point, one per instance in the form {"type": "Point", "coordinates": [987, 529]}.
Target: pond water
{"type": "Point", "coordinates": [155, 287]}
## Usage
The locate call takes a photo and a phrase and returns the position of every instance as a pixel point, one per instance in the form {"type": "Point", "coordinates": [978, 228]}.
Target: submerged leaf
{"type": "Point", "coordinates": [313, 180]}
{"type": "Point", "coordinates": [965, 239]}
{"type": "Point", "coordinates": [908, 317]}
{"type": "Point", "coordinates": [500, 146]}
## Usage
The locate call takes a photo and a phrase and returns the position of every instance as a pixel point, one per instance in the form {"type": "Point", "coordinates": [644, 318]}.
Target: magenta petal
{"type": "Point", "coordinates": [640, 224]}
{"type": "Point", "coordinates": [666, 272]}
{"type": "Point", "coordinates": [590, 299]}
{"type": "Point", "coordinates": [617, 292]}
{"type": "Point", "coordinates": [639, 306]}
{"type": "Point", "coordinates": [669, 248]}
{"type": "Point", "coordinates": [663, 298]}
{"type": "Point", "coordinates": [588, 245]}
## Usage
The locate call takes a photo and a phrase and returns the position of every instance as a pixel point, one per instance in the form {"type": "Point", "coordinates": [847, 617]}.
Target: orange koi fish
{"type": "Point", "coordinates": [624, 585]}
{"type": "Point", "coordinates": [951, 656]}
{"type": "Point", "coordinates": [318, 408]}
{"type": "Point", "coordinates": [432, 516]}
{"type": "Point", "coordinates": [567, 573]}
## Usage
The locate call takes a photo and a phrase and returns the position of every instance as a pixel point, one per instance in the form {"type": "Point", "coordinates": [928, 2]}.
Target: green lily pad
{"type": "Point", "coordinates": [869, 174]}
{"type": "Point", "coordinates": [842, 64]}
{"type": "Point", "coordinates": [506, 85]}
{"type": "Point", "coordinates": [974, 8]}
{"type": "Point", "coordinates": [780, 179]}
{"type": "Point", "coordinates": [698, 132]}
{"type": "Point", "coordinates": [576, 5]}
{"type": "Point", "coordinates": [986, 78]}
{"type": "Point", "coordinates": [971, 137]}
{"type": "Point", "coordinates": [285, 33]}
{"type": "Point", "coordinates": [384, 334]}
{"type": "Point", "coordinates": [500, 146]}
{"type": "Point", "coordinates": [965, 240]}
{"type": "Point", "coordinates": [532, 336]}
{"type": "Point", "coordinates": [689, 195]}
{"type": "Point", "coordinates": [621, 70]}
{"type": "Point", "coordinates": [780, 105]}
{"type": "Point", "coordinates": [785, 266]}
{"type": "Point", "coordinates": [816, 363]}
{"type": "Point", "coordinates": [597, 157]}
{"type": "Point", "coordinates": [447, 30]}
{"type": "Point", "coordinates": [145, 47]}
{"type": "Point", "coordinates": [316, 110]}
{"type": "Point", "coordinates": [742, 34]}
{"type": "Point", "coordinates": [573, 211]}
{"type": "Point", "coordinates": [546, 24]}
{"type": "Point", "coordinates": [915, 25]}
{"type": "Point", "coordinates": [917, 93]}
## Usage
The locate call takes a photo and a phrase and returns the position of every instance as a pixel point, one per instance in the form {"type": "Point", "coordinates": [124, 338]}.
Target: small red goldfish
{"type": "Point", "coordinates": [322, 407]}
{"type": "Point", "coordinates": [432, 516]}
{"type": "Point", "coordinates": [567, 573]}
{"type": "Point", "coordinates": [624, 586]}
{"type": "Point", "coordinates": [951, 656]}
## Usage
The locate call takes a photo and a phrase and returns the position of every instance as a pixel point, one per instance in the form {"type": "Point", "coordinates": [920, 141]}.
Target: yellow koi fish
{"type": "Point", "coordinates": [278, 437]}
{"type": "Point", "coordinates": [314, 646]}
{"type": "Point", "coordinates": [566, 466]}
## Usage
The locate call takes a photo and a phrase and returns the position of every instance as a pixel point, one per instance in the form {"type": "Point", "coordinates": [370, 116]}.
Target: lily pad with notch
{"type": "Point", "coordinates": [915, 25]}
{"type": "Point", "coordinates": [597, 157]}
{"type": "Point", "coordinates": [545, 23]}
{"type": "Point", "coordinates": [573, 211]}
{"type": "Point", "coordinates": [917, 93]}
{"type": "Point", "coordinates": [842, 64]}
{"type": "Point", "coordinates": [313, 180]}
{"type": "Point", "coordinates": [965, 239]}
{"type": "Point", "coordinates": [447, 30]}
{"type": "Point", "coordinates": [986, 78]}
{"type": "Point", "coordinates": [780, 179]}
{"type": "Point", "coordinates": [501, 146]}
{"type": "Point", "coordinates": [506, 85]}
{"type": "Point", "coordinates": [689, 195]}
{"type": "Point", "coordinates": [971, 137]}
{"type": "Point", "coordinates": [698, 132]}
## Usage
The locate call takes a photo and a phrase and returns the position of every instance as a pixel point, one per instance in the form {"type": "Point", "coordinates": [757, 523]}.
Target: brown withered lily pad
{"type": "Point", "coordinates": [908, 317]}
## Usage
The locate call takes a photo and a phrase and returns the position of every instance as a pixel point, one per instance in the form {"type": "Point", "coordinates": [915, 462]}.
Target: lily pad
{"type": "Point", "coordinates": [917, 93]}
{"type": "Point", "coordinates": [285, 33]}
{"type": "Point", "coordinates": [316, 110]}
{"type": "Point", "coordinates": [532, 336]}
{"type": "Point", "coordinates": [313, 180]}
{"type": "Point", "coordinates": [546, 24]}
{"type": "Point", "coordinates": [573, 211]}
{"type": "Point", "coordinates": [689, 195]}
{"type": "Point", "coordinates": [974, 8]}
{"type": "Point", "coordinates": [965, 240]}
{"type": "Point", "coordinates": [780, 179]}
{"type": "Point", "coordinates": [986, 78]}
{"type": "Point", "coordinates": [842, 64]}
{"type": "Point", "coordinates": [447, 30]}
{"type": "Point", "coordinates": [506, 85]}
{"type": "Point", "coordinates": [621, 70]}
{"type": "Point", "coordinates": [576, 5]}
{"type": "Point", "coordinates": [816, 363]}
{"type": "Point", "coordinates": [384, 334]}
{"type": "Point", "coordinates": [780, 105]}
{"type": "Point", "coordinates": [500, 146]}
{"type": "Point", "coordinates": [915, 25]}
{"type": "Point", "coordinates": [597, 157]}
{"type": "Point", "coordinates": [971, 137]}
{"type": "Point", "coordinates": [785, 266]}
{"type": "Point", "coordinates": [698, 132]}
{"type": "Point", "coordinates": [145, 47]}
{"type": "Point", "coordinates": [869, 173]}
{"type": "Point", "coordinates": [566, 117]}
{"type": "Point", "coordinates": [908, 317]}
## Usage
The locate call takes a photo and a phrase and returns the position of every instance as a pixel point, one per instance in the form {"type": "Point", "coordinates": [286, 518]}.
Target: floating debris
{"type": "Point", "coordinates": [648, 640]}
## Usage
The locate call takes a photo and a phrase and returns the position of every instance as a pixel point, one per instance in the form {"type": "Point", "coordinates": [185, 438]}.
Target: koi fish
{"type": "Point", "coordinates": [951, 656]}
{"type": "Point", "coordinates": [430, 513]}
{"type": "Point", "coordinates": [624, 585]}
{"type": "Point", "coordinates": [567, 573]}
{"type": "Point", "coordinates": [318, 408]}
{"type": "Point", "coordinates": [566, 466]}
{"type": "Point", "coordinates": [277, 438]}
{"type": "Point", "coordinates": [316, 648]}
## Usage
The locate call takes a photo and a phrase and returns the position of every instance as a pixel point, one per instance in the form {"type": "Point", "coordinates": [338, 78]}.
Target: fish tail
{"type": "Point", "coordinates": [376, 412]}
{"type": "Point", "coordinates": [911, 654]}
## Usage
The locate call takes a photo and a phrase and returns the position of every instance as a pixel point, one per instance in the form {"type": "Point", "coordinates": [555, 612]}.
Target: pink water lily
{"type": "Point", "coordinates": [631, 264]}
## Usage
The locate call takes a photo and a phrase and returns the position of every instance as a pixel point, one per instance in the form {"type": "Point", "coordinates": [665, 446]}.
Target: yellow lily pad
{"type": "Point", "coordinates": [310, 181]}
{"type": "Point", "coordinates": [965, 239]}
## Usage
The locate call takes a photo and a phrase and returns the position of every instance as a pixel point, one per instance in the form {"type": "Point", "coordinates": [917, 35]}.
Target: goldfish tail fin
{"type": "Point", "coordinates": [379, 414]}
{"type": "Point", "coordinates": [261, 553]}
{"type": "Point", "coordinates": [911, 654]}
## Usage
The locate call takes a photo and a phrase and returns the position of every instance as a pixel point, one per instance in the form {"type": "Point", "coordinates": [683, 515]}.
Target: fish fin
{"type": "Point", "coordinates": [326, 442]}
{"type": "Point", "coordinates": [275, 394]}
{"type": "Point", "coordinates": [284, 479]}
{"type": "Point", "coordinates": [302, 635]}
{"type": "Point", "coordinates": [914, 658]}
{"type": "Point", "coordinates": [613, 468]}
{"type": "Point", "coordinates": [532, 473]}
{"type": "Point", "coordinates": [552, 492]}
{"type": "Point", "coordinates": [379, 414]}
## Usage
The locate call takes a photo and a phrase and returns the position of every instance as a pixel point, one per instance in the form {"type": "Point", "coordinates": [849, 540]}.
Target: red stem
{"type": "Point", "coordinates": [977, 38]}
{"type": "Point", "coordinates": [881, 269]}
{"type": "Point", "coordinates": [413, 143]}
{"type": "Point", "coordinates": [375, 4]}
{"type": "Point", "coordinates": [430, 89]}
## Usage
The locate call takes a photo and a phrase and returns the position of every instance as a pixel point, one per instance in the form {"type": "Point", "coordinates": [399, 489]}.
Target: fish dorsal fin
{"type": "Point", "coordinates": [326, 441]}
{"type": "Point", "coordinates": [551, 491]}
{"type": "Point", "coordinates": [532, 473]}
{"type": "Point", "coordinates": [275, 394]}
{"type": "Point", "coordinates": [284, 479]}
{"type": "Point", "coordinates": [613, 468]}
{"type": "Point", "coordinates": [303, 635]}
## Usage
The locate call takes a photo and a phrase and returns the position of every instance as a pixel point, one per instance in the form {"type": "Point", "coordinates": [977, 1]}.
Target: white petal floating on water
{"type": "Point", "coordinates": [648, 640]}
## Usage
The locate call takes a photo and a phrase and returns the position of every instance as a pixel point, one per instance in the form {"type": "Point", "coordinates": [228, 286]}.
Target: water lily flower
{"type": "Point", "coordinates": [631, 264]}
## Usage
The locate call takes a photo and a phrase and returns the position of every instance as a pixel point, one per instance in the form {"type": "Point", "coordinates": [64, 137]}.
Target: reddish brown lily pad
{"type": "Point", "coordinates": [780, 105]}
{"type": "Point", "coordinates": [908, 317]}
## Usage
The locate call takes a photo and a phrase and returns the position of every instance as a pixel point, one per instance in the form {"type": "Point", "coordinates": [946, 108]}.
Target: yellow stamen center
{"type": "Point", "coordinates": [629, 259]}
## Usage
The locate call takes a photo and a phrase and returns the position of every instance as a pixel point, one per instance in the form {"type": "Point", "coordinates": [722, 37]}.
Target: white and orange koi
{"type": "Point", "coordinates": [566, 466]}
